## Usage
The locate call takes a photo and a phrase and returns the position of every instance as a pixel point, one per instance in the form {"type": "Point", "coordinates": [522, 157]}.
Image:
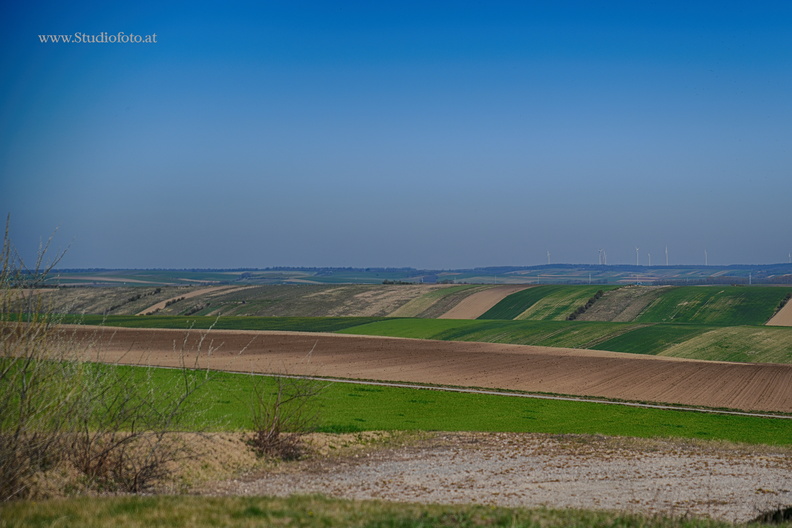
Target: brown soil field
{"type": "Point", "coordinates": [476, 304]}
{"type": "Point", "coordinates": [783, 317]}
{"type": "Point", "coordinates": [749, 387]}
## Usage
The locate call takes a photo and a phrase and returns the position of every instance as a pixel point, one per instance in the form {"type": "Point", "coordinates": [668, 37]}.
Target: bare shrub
{"type": "Point", "coordinates": [110, 423]}
{"type": "Point", "coordinates": [122, 432]}
{"type": "Point", "coordinates": [283, 415]}
{"type": "Point", "coordinates": [35, 396]}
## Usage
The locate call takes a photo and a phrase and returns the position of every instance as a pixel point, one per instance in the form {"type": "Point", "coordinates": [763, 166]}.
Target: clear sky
{"type": "Point", "coordinates": [424, 134]}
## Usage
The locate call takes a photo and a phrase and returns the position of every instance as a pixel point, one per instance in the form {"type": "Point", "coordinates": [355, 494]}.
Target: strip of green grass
{"type": "Point", "coordinates": [715, 305]}
{"type": "Point", "coordinates": [313, 510]}
{"type": "Point", "coordinates": [561, 304]}
{"type": "Point", "coordinates": [349, 407]}
{"type": "Point", "coordinates": [615, 337]}
{"type": "Point", "coordinates": [652, 339]}
{"type": "Point", "coordinates": [543, 303]}
{"type": "Point", "coordinates": [516, 303]}
{"type": "Point", "coordinates": [750, 344]}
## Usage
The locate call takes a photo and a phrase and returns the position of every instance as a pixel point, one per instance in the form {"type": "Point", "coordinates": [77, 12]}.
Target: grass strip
{"type": "Point", "coordinates": [311, 510]}
{"type": "Point", "coordinates": [225, 399]}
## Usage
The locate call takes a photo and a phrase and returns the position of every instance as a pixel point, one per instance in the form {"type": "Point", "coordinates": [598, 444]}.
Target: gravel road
{"type": "Point", "coordinates": [722, 481]}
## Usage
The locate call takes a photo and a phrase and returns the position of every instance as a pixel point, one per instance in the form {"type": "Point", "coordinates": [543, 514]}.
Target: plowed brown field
{"type": "Point", "coordinates": [783, 317]}
{"type": "Point", "coordinates": [759, 387]}
{"type": "Point", "coordinates": [475, 305]}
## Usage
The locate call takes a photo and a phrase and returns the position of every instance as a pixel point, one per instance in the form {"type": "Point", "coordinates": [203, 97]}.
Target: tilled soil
{"type": "Point", "coordinates": [473, 306]}
{"type": "Point", "coordinates": [783, 317]}
{"type": "Point", "coordinates": [726, 482]}
{"type": "Point", "coordinates": [744, 386]}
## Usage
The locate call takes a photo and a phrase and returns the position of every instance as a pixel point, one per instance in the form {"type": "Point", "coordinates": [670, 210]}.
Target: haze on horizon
{"type": "Point", "coordinates": [423, 134]}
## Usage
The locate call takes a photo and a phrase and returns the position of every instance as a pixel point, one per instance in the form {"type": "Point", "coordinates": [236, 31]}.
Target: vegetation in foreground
{"type": "Point", "coordinates": [313, 511]}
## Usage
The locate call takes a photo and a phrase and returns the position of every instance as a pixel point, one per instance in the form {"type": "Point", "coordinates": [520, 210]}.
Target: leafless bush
{"type": "Point", "coordinates": [35, 403]}
{"type": "Point", "coordinates": [283, 414]}
{"type": "Point", "coordinates": [121, 436]}
{"type": "Point", "coordinates": [56, 407]}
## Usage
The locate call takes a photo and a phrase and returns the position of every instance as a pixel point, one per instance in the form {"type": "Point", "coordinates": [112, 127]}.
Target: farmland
{"type": "Point", "coordinates": [627, 345]}
{"type": "Point", "coordinates": [355, 407]}
{"type": "Point", "coordinates": [754, 344]}
{"type": "Point", "coordinates": [747, 386]}
{"type": "Point", "coordinates": [543, 303]}
{"type": "Point", "coordinates": [544, 274]}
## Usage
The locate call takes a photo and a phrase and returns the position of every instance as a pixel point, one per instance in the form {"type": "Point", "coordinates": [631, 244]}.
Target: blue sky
{"type": "Point", "coordinates": [425, 134]}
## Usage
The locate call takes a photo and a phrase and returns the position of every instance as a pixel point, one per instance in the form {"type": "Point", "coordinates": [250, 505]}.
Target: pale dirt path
{"type": "Point", "coordinates": [475, 305]}
{"type": "Point", "coordinates": [162, 304]}
{"type": "Point", "coordinates": [672, 477]}
{"type": "Point", "coordinates": [783, 317]}
{"type": "Point", "coordinates": [741, 386]}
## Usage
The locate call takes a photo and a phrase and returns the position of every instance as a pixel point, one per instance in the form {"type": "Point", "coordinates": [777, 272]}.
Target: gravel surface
{"type": "Point", "coordinates": [722, 481]}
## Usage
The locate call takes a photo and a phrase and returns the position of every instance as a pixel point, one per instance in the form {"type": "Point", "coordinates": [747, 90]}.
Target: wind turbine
{"type": "Point", "coordinates": [650, 258]}
{"type": "Point", "coordinates": [548, 257]}
{"type": "Point", "coordinates": [706, 259]}
{"type": "Point", "coordinates": [636, 256]}
{"type": "Point", "coordinates": [666, 255]}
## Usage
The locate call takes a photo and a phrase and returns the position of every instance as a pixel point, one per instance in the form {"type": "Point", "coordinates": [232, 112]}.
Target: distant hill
{"type": "Point", "coordinates": [545, 274]}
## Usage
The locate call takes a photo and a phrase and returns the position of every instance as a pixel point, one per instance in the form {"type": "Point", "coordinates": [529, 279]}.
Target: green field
{"type": "Point", "coordinates": [710, 305]}
{"type": "Point", "coordinates": [225, 398]}
{"type": "Point", "coordinates": [715, 305]}
{"type": "Point", "coordinates": [543, 303]}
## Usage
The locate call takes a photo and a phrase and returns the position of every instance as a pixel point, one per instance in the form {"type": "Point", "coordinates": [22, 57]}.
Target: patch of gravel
{"type": "Point", "coordinates": [723, 481]}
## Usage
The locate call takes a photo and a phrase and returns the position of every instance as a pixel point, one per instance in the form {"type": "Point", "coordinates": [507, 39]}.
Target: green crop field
{"type": "Point", "coordinates": [543, 303]}
{"type": "Point", "coordinates": [651, 339]}
{"type": "Point", "coordinates": [225, 403]}
{"type": "Point", "coordinates": [715, 305]}
{"type": "Point", "coordinates": [543, 333]}
{"type": "Point", "coordinates": [750, 344]}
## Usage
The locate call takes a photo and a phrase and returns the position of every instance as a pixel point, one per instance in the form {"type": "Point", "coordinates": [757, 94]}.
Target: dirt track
{"type": "Point", "coordinates": [750, 387]}
{"type": "Point", "coordinates": [671, 477]}
{"type": "Point", "coordinates": [476, 304]}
